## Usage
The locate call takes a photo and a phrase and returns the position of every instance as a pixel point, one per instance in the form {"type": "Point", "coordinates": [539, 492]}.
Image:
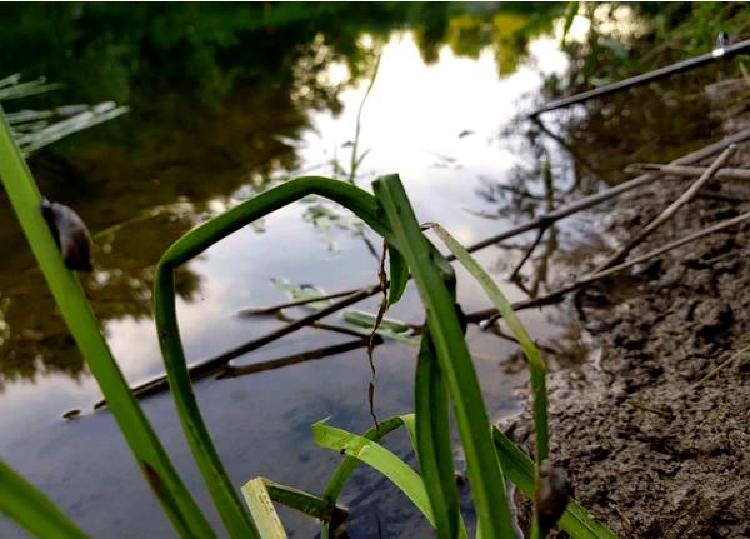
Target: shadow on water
{"type": "Point", "coordinates": [226, 100]}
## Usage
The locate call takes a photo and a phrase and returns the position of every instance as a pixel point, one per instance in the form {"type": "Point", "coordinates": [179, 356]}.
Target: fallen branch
{"type": "Point", "coordinates": [660, 73]}
{"type": "Point", "coordinates": [273, 309]}
{"type": "Point", "coordinates": [294, 359]}
{"type": "Point", "coordinates": [489, 316]}
{"type": "Point", "coordinates": [668, 212]}
{"type": "Point", "coordinates": [684, 170]}
{"type": "Point", "coordinates": [596, 199]}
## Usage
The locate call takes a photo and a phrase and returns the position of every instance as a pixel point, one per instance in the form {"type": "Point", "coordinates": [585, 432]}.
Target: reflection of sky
{"type": "Point", "coordinates": [411, 122]}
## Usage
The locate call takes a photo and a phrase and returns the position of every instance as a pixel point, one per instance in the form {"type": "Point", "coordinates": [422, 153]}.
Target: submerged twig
{"type": "Point", "coordinates": [273, 309]}
{"type": "Point", "coordinates": [293, 359]}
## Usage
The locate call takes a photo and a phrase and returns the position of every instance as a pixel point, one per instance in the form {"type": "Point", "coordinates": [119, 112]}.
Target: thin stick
{"type": "Point", "coordinates": [371, 340]}
{"type": "Point", "coordinates": [273, 309]}
{"type": "Point", "coordinates": [668, 212]}
{"type": "Point", "coordinates": [527, 254]}
{"type": "Point", "coordinates": [660, 73]}
{"type": "Point", "coordinates": [684, 170]}
{"type": "Point", "coordinates": [215, 364]}
{"type": "Point", "coordinates": [593, 200]}
{"type": "Point", "coordinates": [294, 359]}
{"type": "Point", "coordinates": [488, 316]}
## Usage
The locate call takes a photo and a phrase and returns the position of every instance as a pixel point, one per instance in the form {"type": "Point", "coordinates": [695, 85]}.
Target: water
{"type": "Point", "coordinates": [441, 113]}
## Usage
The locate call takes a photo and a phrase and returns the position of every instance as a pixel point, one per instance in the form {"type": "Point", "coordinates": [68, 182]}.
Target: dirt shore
{"type": "Point", "coordinates": [654, 430]}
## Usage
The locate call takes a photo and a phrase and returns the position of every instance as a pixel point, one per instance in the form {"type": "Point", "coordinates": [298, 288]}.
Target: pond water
{"type": "Point", "coordinates": [442, 112]}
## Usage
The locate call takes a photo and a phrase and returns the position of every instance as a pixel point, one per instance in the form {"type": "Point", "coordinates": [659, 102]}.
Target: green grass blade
{"type": "Point", "coordinates": [75, 310]}
{"type": "Point", "coordinates": [576, 521]}
{"type": "Point", "coordinates": [399, 273]}
{"type": "Point", "coordinates": [236, 518]}
{"type": "Point", "coordinates": [537, 367]}
{"type": "Point", "coordinates": [261, 508]}
{"type": "Point", "coordinates": [433, 437]}
{"type": "Point", "coordinates": [230, 508]}
{"type": "Point", "coordinates": [378, 457]}
{"type": "Point", "coordinates": [485, 474]}
{"type": "Point", "coordinates": [305, 502]}
{"type": "Point", "coordinates": [342, 474]}
{"type": "Point", "coordinates": [31, 509]}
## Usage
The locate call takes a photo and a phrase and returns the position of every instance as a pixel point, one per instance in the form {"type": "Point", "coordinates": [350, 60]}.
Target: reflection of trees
{"type": "Point", "coordinates": [218, 94]}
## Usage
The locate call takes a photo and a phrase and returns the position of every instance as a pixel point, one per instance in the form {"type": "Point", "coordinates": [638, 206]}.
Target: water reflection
{"type": "Point", "coordinates": [225, 101]}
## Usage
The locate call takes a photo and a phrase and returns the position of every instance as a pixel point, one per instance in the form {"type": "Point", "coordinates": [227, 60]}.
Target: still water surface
{"type": "Point", "coordinates": [447, 126]}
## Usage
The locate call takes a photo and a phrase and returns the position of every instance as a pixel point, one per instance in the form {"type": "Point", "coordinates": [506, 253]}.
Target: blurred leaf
{"type": "Point", "coordinates": [261, 508]}
{"type": "Point", "coordinates": [389, 328]}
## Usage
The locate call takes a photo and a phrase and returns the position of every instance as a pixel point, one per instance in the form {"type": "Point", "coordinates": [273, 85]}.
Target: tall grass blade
{"type": "Point", "coordinates": [32, 510]}
{"type": "Point", "coordinates": [261, 508]}
{"type": "Point", "coordinates": [485, 474]}
{"type": "Point", "coordinates": [433, 437]}
{"type": "Point", "coordinates": [378, 457]}
{"type": "Point", "coordinates": [537, 366]}
{"type": "Point", "coordinates": [230, 508]}
{"type": "Point", "coordinates": [71, 301]}
{"type": "Point", "coordinates": [576, 521]}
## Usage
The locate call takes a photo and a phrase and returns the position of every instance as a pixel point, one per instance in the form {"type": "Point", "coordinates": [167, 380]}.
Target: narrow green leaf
{"type": "Point", "coordinates": [537, 365]}
{"type": "Point", "coordinates": [32, 510]}
{"type": "Point", "coordinates": [305, 502]}
{"type": "Point", "coordinates": [75, 310]}
{"type": "Point", "coordinates": [399, 273]}
{"type": "Point", "coordinates": [485, 475]}
{"type": "Point", "coordinates": [261, 508]}
{"type": "Point", "coordinates": [576, 521]}
{"type": "Point", "coordinates": [433, 437]}
{"type": "Point", "coordinates": [378, 457]}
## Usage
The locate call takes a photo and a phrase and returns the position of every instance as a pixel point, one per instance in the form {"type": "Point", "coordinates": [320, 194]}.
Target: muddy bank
{"type": "Point", "coordinates": [654, 430]}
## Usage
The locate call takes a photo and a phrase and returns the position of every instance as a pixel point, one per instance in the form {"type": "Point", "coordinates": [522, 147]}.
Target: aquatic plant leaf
{"type": "Point", "coordinates": [576, 521]}
{"type": "Point", "coordinates": [302, 291]}
{"type": "Point", "coordinates": [71, 301]}
{"type": "Point", "coordinates": [432, 273]}
{"type": "Point", "coordinates": [388, 328]}
{"type": "Point", "coordinates": [31, 509]}
{"type": "Point", "coordinates": [378, 457]}
{"type": "Point", "coordinates": [261, 508]}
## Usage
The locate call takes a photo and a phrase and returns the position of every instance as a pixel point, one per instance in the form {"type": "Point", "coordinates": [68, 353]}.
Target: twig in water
{"type": "Point", "coordinates": [230, 371]}
{"type": "Point", "coordinates": [273, 309]}
{"type": "Point", "coordinates": [527, 254]}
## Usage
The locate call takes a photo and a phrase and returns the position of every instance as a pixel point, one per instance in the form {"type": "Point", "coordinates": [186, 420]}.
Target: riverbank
{"type": "Point", "coordinates": [653, 429]}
